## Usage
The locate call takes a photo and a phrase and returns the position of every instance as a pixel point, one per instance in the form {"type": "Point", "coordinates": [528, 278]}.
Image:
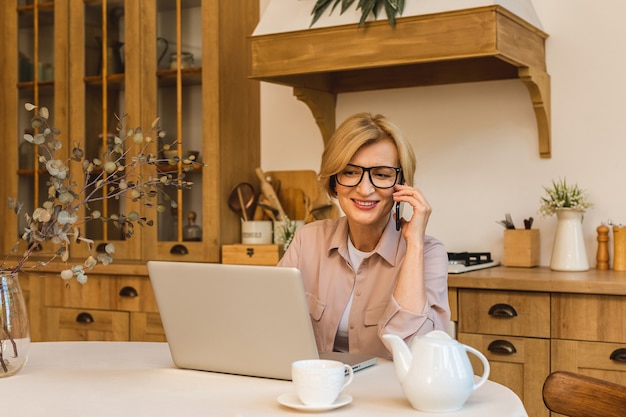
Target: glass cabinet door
{"type": "Point", "coordinates": [210, 110]}
{"type": "Point", "coordinates": [178, 69]}
{"type": "Point", "coordinates": [40, 30]}
{"type": "Point", "coordinates": [102, 43]}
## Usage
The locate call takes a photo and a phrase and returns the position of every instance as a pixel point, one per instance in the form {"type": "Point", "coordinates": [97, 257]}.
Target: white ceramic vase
{"type": "Point", "coordinates": [569, 252]}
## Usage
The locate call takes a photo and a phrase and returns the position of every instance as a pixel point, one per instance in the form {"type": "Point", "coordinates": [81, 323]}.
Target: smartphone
{"type": "Point", "coordinates": [398, 222]}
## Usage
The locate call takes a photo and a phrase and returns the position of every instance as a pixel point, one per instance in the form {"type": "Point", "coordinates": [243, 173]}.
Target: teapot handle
{"type": "Point", "coordinates": [486, 368]}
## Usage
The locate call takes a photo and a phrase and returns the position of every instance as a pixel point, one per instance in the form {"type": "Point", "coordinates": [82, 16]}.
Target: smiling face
{"type": "Point", "coordinates": [364, 204]}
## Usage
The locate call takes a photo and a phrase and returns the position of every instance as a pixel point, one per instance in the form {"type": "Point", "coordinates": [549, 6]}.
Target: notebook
{"type": "Point", "coordinates": [238, 319]}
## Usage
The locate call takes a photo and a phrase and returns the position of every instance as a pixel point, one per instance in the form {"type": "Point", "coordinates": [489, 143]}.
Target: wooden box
{"type": "Point", "coordinates": [251, 254]}
{"type": "Point", "coordinates": [521, 247]}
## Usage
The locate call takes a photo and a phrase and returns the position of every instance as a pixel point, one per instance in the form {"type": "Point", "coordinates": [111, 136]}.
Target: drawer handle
{"type": "Point", "coordinates": [101, 248]}
{"type": "Point", "coordinates": [129, 292]}
{"type": "Point", "coordinates": [619, 355]}
{"type": "Point", "coordinates": [84, 318]}
{"type": "Point", "coordinates": [179, 249]}
{"type": "Point", "coordinates": [504, 311]}
{"type": "Point", "coordinates": [502, 347]}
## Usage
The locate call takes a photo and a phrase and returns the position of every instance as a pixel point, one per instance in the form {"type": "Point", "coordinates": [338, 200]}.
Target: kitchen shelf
{"type": "Point", "coordinates": [190, 76]}
{"type": "Point", "coordinates": [470, 45]}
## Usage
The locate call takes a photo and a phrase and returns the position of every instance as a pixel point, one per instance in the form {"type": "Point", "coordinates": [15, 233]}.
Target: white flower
{"type": "Point", "coordinates": [560, 195]}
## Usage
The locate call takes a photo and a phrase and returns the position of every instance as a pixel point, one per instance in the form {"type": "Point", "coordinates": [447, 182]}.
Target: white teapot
{"type": "Point", "coordinates": [436, 374]}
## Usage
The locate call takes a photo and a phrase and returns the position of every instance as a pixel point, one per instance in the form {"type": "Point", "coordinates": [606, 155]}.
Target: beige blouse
{"type": "Point", "coordinates": [319, 250]}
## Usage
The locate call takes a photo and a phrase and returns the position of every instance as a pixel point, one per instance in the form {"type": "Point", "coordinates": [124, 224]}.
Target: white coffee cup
{"type": "Point", "coordinates": [318, 382]}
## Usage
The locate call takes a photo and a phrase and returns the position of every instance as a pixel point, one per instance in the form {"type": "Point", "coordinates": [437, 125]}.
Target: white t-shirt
{"type": "Point", "coordinates": [356, 257]}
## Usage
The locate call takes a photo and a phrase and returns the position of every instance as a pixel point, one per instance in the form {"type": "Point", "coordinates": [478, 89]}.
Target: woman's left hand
{"type": "Point", "coordinates": [416, 227]}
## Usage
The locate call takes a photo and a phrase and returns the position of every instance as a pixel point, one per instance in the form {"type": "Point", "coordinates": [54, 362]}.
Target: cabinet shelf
{"type": "Point", "coordinates": [29, 85]}
{"type": "Point", "coordinates": [478, 44]}
{"type": "Point", "coordinates": [190, 76]}
{"type": "Point", "coordinates": [112, 79]}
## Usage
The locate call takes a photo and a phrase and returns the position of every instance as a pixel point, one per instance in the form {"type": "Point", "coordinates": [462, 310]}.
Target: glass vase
{"type": "Point", "coordinates": [569, 252]}
{"type": "Point", "coordinates": [14, 326]}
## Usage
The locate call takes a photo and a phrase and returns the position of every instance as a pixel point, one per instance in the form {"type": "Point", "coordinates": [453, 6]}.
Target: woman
{"type": "Point", "coordinates": [363, 277]}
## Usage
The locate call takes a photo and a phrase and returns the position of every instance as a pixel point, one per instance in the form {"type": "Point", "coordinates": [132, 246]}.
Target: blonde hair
{"type": "Point", "coordinates": [355, 132]}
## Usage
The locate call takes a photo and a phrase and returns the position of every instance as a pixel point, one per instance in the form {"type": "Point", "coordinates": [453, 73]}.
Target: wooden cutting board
{"type": "Point", "coordinates": [298, 191]}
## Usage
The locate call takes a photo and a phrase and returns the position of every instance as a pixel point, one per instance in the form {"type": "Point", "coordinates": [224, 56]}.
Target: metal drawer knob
{"type": "Point", "coordinates": [179, 249]}
{"type": "Point", "coordinates": [504, 311]}
{"type": "Point", "coordinates": [619, 355]}
{"type": "Point", "coordinates": [84, 318]}
{"type": "Point", "coordinates": [502, 347]}
{"type": "Point", "coordinates": [129, 292]}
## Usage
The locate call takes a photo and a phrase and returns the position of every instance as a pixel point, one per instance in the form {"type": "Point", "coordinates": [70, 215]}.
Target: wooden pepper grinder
{"type": "Point", "coordinates": [602, 256]}
{"type": "Point", "coordinates": [619, 248]}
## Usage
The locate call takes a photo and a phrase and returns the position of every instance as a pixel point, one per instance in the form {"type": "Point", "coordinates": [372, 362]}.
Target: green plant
{"type": "Point", "coordinates": [560, 195]}
{"type": "Point", "coordinates": [76, 184]}
{"type": "Point", "coordinates": [367, 7]}
{"type": "Point", "coordinates": [287, 231]}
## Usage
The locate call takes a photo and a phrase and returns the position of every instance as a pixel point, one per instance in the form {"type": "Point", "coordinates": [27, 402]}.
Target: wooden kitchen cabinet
{"type": "Point", "coordinates": [114, 307]}
{"type": "Point", "coordinates": [512, 330]}
{"type": "Point", "coordinates": [590, 335]}
{"type": "Point", "coordinates": [519, 363]}
{"type": "Point", "coordinates": [108, 57]}
{"type": "Point", "coordinates": [562, 321]}
{"type": "Point", "coordinates": [590, 358]}
{"type": "Point", "coordinates": [75, 324]}
{"type": "Point", "coordinates": [206, 104]}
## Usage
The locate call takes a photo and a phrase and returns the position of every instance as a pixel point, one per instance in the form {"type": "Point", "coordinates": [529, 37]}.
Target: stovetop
{"type": "Point", "coordinates": [459, 262]}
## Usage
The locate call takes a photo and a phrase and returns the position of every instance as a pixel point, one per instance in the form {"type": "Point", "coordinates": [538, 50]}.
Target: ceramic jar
{"type": "Point", "coordinates": [569, 252]}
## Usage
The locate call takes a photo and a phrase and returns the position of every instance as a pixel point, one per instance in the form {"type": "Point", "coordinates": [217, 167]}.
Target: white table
{"type": "Point", "coordinates": [118, 379]}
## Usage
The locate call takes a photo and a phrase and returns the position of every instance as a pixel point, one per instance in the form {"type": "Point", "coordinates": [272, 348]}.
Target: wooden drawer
{"type": "Point", "coordinates": [589, 317]}
{"type": "Point", "coordinates": [86, 324]}
{"type": "Point", "coordinates": [590, 358]}
{"type": "Point", "coordinates": [522, 369]}
{"type": "Point", "coordinates": [509, 313]}
{"type": "Point", "coordinates": [146, 327]}
{"type": "Point", "coordinates": [102, 292]}
{"type": "Point", "coordinates": [251, 254]}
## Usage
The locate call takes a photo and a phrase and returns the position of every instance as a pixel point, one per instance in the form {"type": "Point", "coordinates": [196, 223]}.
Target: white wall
{"type": "Point", "coordinates": [477, 143]}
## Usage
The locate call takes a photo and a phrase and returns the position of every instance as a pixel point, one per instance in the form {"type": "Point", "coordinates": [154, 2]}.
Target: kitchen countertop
{"type": "Point", "coordinates": [606, 282]}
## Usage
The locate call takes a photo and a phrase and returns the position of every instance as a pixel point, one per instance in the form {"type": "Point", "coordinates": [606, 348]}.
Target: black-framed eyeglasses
{"type": "Point", "coordinates": [380, 177]}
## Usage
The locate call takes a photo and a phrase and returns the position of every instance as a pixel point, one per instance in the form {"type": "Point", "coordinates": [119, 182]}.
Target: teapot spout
{"type": "Point", "coordinates": [402, 356]}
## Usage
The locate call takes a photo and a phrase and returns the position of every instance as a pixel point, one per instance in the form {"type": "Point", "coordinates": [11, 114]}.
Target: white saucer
{"type": "Point", "coordinates": [291, 400]}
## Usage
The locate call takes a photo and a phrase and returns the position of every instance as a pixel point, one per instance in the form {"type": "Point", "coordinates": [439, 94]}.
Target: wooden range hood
{"type": "Point", "coordinates": [478, 44]}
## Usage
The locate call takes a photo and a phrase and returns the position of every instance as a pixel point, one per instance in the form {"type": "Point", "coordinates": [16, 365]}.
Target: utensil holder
{"type": "Point", "coordinates": [521, 248]}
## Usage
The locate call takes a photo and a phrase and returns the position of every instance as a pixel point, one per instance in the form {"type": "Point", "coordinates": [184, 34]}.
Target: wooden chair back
{"type": "Point", "coordinates": [576, 395]}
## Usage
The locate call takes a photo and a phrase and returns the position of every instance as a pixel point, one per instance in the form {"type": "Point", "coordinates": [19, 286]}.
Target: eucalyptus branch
{"type": "Point", "coordinates": [117, 175]}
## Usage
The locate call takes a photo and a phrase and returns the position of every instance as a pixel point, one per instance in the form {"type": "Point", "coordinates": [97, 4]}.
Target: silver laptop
{"type": "Point", "coordinates": [237, 319]}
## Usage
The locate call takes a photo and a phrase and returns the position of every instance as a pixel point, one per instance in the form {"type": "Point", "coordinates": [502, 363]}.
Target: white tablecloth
{"type": "Point", "coordinates": [139, 379]}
